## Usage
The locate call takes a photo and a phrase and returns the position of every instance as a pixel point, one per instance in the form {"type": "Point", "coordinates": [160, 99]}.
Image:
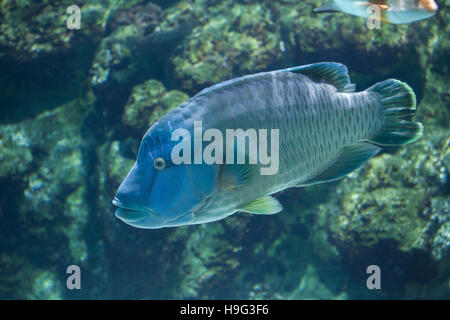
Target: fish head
{"type": "Point", "coordinates": [408, 12]}
{"type": "Point", "coordinates": [430, 5]}
{"type": "Point", "coordinates": [156, 192]}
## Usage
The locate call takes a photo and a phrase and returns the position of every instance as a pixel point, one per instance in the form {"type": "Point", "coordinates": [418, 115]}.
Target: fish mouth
{"type": "Point", "coordinates": [119, 204]}
{"type": "Point", "coordinates": [145, 218]}
{"type": "Point", "coordinates": [129, 214]}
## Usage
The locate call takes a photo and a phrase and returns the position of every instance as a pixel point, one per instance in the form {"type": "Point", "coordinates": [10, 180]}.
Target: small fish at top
{"type": "Point", "coordinates": [392, 11]}
{"type": "Point", "coordinates": [326, 130]}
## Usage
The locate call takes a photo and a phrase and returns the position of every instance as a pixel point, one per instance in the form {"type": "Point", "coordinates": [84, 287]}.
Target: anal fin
{"type": "Point", "coordinates": [351, 158]}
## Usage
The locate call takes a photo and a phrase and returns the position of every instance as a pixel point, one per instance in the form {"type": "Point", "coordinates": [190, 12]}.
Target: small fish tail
{"type": "Point", "coordinates": [330, 6]}
{"type": "Point", "coordinates": [399, 102]}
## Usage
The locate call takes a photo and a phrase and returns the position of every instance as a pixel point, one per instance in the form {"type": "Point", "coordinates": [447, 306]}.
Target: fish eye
{"type": "Point", "coordinates": [159, 163]}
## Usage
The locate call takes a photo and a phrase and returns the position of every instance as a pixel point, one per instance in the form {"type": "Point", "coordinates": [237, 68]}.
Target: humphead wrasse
{"type": "Point", "coordinates": [392, 11]}
{"type": "Point", "coordinates": [325, 131]}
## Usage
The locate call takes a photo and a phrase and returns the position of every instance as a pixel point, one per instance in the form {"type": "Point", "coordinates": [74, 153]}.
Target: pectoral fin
{"type": "Point", "coordinates": [266, 205]}
{"type": "Point", "coordinates": [236, 175]}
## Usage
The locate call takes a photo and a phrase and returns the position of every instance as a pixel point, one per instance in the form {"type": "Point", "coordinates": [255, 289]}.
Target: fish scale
{"type": "Point", "coordinates": [301, 104]}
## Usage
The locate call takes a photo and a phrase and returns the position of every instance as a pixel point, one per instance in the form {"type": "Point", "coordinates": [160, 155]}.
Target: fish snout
{"type": "Point", "coordinates": [430, 5]}
{"type": "Point", "coordinates": [130, 208]}
{"type": "Point", "coordinates": [130, 216]}
{"type": "Point", "coordinates": [133, 192]}
{"type": "Point", "coordinates": [128, 197]}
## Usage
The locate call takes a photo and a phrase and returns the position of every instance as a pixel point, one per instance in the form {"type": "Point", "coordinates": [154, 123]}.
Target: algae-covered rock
{"type": "Point", "coordinates": [30, 29]}
{"type": "Point", "coordinates": [312, 288]}
{"type": "Point", "coordinates": [310, 32]}
{"type": "Point", "coordinates": [150, 101]}
{"type": "Point", "coordinates": [27, 280]}
{"type": "Point", "coordinates": [234, 39]}
{"type": "Point", "coordinates": [76, 210]}
{"type": "Point", "coordinates": [118, 165]}
{"type": "Point", "coordinates": [15, 155]}
{"type": "Point", "coordinates": [46, 286]}
{"type": "Point", "coordinates": [401, 197]}
{"type": "Point", "coordinates": [207, 259]}
{"type": "Point", "coordinates": [144, 17]}
{"type": "Point", "coordinates": [237, 38]}
{"type": "Point", "coordinates": [122, 57]}
{"type": "Point", "coordinates": [58, 173]}
{"type": "Point", "coordinates": [113, 56]}
{"type": "Point", "coordinates": [45, 200]}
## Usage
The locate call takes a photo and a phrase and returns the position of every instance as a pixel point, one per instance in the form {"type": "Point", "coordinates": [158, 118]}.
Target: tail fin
{"type": "Point", "coordinates": [399, 103]}
{"type": "Point", "coordinates": [330, 6]}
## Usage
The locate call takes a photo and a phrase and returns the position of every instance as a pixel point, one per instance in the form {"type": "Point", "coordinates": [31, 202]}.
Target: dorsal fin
{"type": "Point", "coordinates": [228, 83]}
{"type": "Point", "coordinates": [332, 73]}
{"type": "Point", "coordinates": [351, 158]}
{"type": "Point", "coordinates": [350, 88]}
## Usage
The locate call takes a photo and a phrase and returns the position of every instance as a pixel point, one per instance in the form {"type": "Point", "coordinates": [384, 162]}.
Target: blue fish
{"type": "Point", "coordinates": [325, 131]}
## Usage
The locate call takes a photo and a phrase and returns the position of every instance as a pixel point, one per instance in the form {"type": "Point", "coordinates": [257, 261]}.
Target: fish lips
{"type": "Point", "coordinates": [148, 219]}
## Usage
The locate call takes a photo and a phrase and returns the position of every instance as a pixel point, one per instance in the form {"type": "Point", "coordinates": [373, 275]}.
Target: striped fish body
{"type": "Point", "coordinates": [316, 123]}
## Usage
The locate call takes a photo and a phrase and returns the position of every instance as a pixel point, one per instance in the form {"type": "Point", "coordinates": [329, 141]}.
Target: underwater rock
{"type": "Point", "coordinates": [233, 39]}
{"type": "Point", "coordinates": [15, 155]}
{"type": "Point", "coordinates": [123, 58]}
{"type": "Point", "coordinates": [332, 31]}
{"type": "Point", "coordinates": [208, 262]}
{"type": "Point", "coordinates": [399, 196]}
{"type": "Point", "coordinates": [311, 288]}
{"type": "Point", "coordinates": [45, 201]}
{"type": "Point", "coordinates": [238, 38]}
{"type": "Point", "coordinates": [434, 56]}
{"type": "Point", "coordinates": [150, 101]}
{"type": "Point", "coordinates": [76, 210]}
{"type": "Point", "coordinates": [59, 172]}
{"type": "Point", "coordinates": [46, 286]}
{"type": "Point", "coordinates": [113, 59]}
{"type": "Point", "coordinates": [144, 17]}
{"type": "Point", "coordinates": [118, 166]}
{"type": "Point", "coordinates": [29, 282]}
{"type": "Point", "coordinates": [30, 29]}
{"type": "Point", "coordinates": [395, 212]}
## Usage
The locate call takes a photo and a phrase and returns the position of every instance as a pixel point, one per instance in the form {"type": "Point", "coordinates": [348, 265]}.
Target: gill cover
{"type": "Point", "coordinates": [157, 193]}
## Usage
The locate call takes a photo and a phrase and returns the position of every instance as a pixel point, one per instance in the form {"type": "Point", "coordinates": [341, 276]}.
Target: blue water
{"type": "Point", "coordinates": [75, 103]}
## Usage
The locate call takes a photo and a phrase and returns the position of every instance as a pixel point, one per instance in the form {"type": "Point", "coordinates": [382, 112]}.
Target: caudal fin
{"type": "Point", "coordinates": [330, 6]}
{"type": "Point", "coordinates": [399, 102]}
